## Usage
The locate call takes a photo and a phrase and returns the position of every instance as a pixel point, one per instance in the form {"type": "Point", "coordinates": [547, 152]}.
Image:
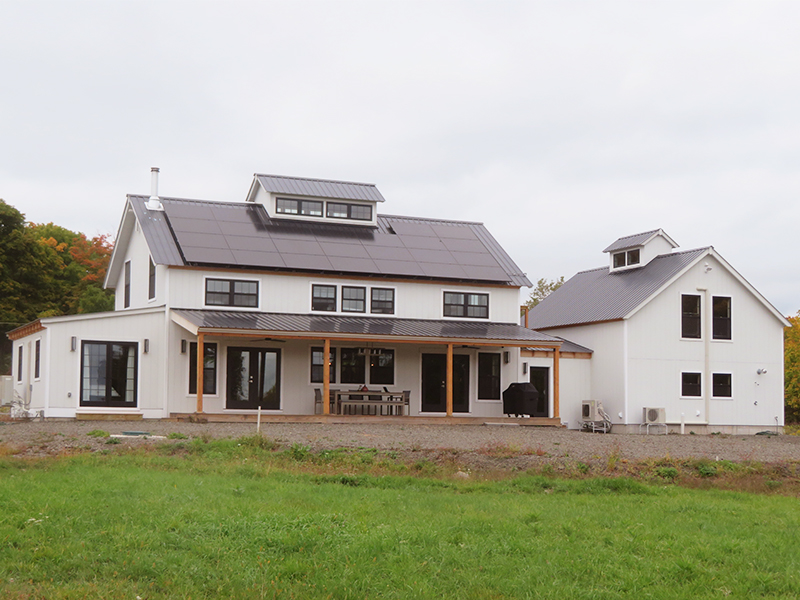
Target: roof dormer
{"type": "Point", "coordinates": [634, 251]}
{"type": "Point", "coordinates": [317, 200]}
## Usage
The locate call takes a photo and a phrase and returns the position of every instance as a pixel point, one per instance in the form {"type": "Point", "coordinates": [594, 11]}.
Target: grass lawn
{"type": "Point", "coordinates": [227, 520]}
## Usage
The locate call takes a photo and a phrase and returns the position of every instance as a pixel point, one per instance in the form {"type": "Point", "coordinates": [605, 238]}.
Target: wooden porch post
{"type": "Point", "coordinates": [200, 365]}
{"type": "Point", "coordinates": [326, 377]}
{"type": "Point", "coordinates": [556, 357]}
{"type": "Point", "coordinates": [449, 380]}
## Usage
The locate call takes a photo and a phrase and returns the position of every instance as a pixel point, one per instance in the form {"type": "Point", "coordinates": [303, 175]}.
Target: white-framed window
{"type": "Point", "coordinates": [343, 210]}
{"type": "Point", "coordinates": [627, 258]}
{"type": "Point", "coordinates": [323, 297]}
{"type": "Point", "coordinates": [354, 299]}
{"type": "Point", "coordinates": [722, 385]}
{"type": "Point", "coordinates": [126, 299]}
{"type": "Point", "coordinates": [466, 304]}
{"type": "Point", "coordinates": [19, 363]}
{"type": "Point", "coordinates": [291, 206]}
{"type": "Point", "coordinates": [691, 320]}
{"type": "Point", "coordinates": [151, 280]}
{"type": "Point", "coordinates": [382, 301]}
{"type": "Point", "coordinates": [37, 359]}
{"type": "Point", "coordinates": [691, 385]}
{"type": "Point", "coordinates": [721, 321]}
{"type": "Point", "coordinates": [231, 292]}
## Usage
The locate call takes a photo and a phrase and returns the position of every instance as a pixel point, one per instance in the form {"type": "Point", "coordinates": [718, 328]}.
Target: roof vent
{"type": "Point", "coordinates": [154, 203]}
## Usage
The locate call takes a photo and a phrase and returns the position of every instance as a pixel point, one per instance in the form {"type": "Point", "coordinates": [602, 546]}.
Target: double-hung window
{"type": "Point", "coordinates": [318, 364]}
{"type": "Point", "coordinates": [474, 306]}
{"type": "Point", "coordinates": [722, 318]}
{"type": "Point", "coordinates": [721, 386]}
{"type": "Point", "coordinates": [382, 301]}
{"type": "Point", "coordinates": [354, 299]}
{"type": "Point", "coordinates": [209, 368]}
{"type": "Point", "coordinates": [323, 297]}
{"type": "Point", "coordinates": [690, 317]}
{"type": "Point", "coordinates": [231, 292]}
{"type": "Point", "coordinates": [691, 385]}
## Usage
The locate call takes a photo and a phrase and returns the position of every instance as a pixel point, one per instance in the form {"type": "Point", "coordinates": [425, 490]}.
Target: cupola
{"type": "Point", "coordinates": [635, 251]}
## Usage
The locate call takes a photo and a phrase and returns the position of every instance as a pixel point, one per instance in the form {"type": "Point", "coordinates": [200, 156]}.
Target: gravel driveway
{"type": "Point", "coordinates": [536, 444]}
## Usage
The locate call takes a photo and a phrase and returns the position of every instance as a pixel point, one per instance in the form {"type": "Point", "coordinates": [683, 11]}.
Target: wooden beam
{"type": "Point", "coordinates": [556, 400]}
{"type": "Point", "coordinates": [326, 378]}
{"type": "Point", "coordinates": [449, 380]}
{"type": "Point", "coordinates": [200, 365]}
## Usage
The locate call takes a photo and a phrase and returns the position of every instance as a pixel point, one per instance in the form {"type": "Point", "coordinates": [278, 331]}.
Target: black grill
{"type": "Point", "coordinates": [523, 399]}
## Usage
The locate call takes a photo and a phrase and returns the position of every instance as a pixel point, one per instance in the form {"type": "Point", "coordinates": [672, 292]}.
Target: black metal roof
{"type": "Point", "coordinates": [241, 235]}
{"type": "Point", "coordinates": [275, 324]}
{"type": "Point", "coordinates": [319, 188]}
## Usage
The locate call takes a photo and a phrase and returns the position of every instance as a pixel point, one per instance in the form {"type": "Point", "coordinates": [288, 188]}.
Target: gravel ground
{"type": "Point", "coordinates": [480, 445]}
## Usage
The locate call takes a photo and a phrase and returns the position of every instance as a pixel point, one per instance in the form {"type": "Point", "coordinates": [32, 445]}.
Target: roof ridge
{"type": "Point", "coordinates": [625, 237]}
{"type": "Point", "coordinates": [667, 255]}
{"type": "Point", "coordinates": [174, 199]}
{"type": "Point", "coordinates": [314, 179]}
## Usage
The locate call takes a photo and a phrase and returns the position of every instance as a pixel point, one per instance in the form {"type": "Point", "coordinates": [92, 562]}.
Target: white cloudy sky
{"type": "Point", "coordinates": [561, 125]}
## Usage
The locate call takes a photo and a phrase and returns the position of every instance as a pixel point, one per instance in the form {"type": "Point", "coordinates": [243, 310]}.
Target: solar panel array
{"type": "Point", "coordinates": [243, 235]}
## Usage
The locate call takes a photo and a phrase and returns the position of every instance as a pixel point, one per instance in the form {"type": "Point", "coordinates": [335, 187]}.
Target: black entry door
{"type": "Point", "coordinates": [540, 378]}
{"type": "Point", "coordinates": [254, 378]}
{"type": "Point", "coordinates": [434, 391]}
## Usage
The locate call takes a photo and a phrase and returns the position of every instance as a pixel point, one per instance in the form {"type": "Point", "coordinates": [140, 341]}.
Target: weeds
{"type": "Point", "coordinates": [175, 435]}
{"type": "Point", "coordinates": [98, 433]}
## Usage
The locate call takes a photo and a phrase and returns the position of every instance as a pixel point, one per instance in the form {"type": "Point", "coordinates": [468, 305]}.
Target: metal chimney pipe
{"type": "Point", "coordinates": [154, 202]}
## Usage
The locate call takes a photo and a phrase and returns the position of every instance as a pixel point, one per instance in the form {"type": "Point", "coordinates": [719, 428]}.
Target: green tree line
{"type": "Point", "coordinates": [791, 349]}
{"type": "Point", "coordinates": [47, 270]}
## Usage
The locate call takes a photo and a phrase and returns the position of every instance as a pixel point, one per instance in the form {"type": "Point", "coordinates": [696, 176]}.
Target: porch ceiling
{"type": "Point", "coordinates": [282, 325]}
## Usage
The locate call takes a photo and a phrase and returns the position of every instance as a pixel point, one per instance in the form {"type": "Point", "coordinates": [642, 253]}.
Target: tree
{"type": "Point", "coordinates": [542, 290]}
{"type": "Point", "coordinates": [791, 349]}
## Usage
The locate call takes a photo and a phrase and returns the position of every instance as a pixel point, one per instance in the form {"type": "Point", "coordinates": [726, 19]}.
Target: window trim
{"type": "Point", "coordinates": [349, 206]}
{"type": "Point", "coordinates": [496, 386]}
{"type": "Point", "coordinates": [372, 300]}
{"type": "Point", "coordinates": [107, 404]}
{"type": "Point", "coordinates": [729, 319]}
{"type": "Point", "coordinates": [699, 385]}
{"type": "Point", "coordinates": [37, 359]}
{"type": "Point", "coordinates": [626, 256]}
{"type": "Point", "coordinates": [126, 298]}
{"type": "Point", "coordinates": [19, 362]}
{"type": "Point", "coordinates": [685, 315]}
{"type": "Point", "coordinates": [465, 305]}
{"type": "Point", "coordinates": [232, 293]}
{"type": "Point", "coordinates": [214, 369]}
{"type": "Point", "coordinates": [363, 300]}
{"type": "Point", "coordinates": [151, 280]}
{"type": "Point", "coordinates": [300, 205]}
{"type": "Point", "coordinates": [328, 301]}
{"type": "Point", "coordinates": [730, 385]}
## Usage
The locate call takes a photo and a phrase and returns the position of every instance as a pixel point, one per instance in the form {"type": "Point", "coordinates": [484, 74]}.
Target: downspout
{"type": "Point", "coordinates": [707, 353]}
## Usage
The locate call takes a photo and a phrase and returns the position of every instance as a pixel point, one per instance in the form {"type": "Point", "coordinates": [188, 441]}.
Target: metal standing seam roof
{"type": "Point", "coordinates": [567, 346]}
{"type": "Point", "coordinates": [629, 241]}
{"type": "Point", "coordinates": [319, 188]}
{"type": "Point", "coordinates": [329, 325]}
{"type": "Point", "coordinates": [600, 295]}
{"type": "Point", "coordinates": [241, 235]}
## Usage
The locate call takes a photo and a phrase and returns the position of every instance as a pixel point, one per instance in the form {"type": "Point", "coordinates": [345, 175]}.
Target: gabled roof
{"type": "Point", "coordinates": [638, 239]}
{"type": "Point", "coordinates": [242, 236]}
{"type": "Point", "coordinates": [600, 295]}
{"type": "Point", "coordinates": [319, 188]}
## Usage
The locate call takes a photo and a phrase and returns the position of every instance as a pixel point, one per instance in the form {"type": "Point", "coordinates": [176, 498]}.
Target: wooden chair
{"type": "Point", "coordinates": [318, 402]}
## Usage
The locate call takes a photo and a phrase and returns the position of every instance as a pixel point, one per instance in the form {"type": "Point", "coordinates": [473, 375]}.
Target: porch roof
{"type": "Point", "coordinates": [358, 328]}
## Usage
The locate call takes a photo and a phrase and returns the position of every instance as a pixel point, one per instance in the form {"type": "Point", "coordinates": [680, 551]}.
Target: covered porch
{"type": "Point", "coordinates": [442, 370]}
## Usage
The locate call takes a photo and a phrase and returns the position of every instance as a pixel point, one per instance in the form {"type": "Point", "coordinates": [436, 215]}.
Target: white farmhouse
{"type": "Point", "coordinates": [681, 333]}
{"type": "Point", "coordinates": [301, 292]}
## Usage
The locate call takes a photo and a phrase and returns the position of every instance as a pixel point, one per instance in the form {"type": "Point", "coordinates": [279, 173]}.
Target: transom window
{"type": "Point", "coordinates": [722, 318]}
{"type": "Point", "coordinates": [354, 299]}
{"type": "Point", "coordinates": [358, 212]}
{"type": "Point", "coordinates": [691, 385]}
{"type": "Point", "coordinates": [323, 297]}
{"type": "Point", "coordinates": [690, 316]}
{"type": "Point", "coordinates": [626, 259]}
{"type": "Point", "coordinates": [382, 301]}
{"type": "Point", "coordinates": [308, 208]}
{"type": "Point", "coordinates": [721, 386]}
{"type": "Point", "coordinates": [457, 304]}
{"type": "Point", "coordinates": [108, 373]}
{"type": "Point", "coordinates": [231, 292]}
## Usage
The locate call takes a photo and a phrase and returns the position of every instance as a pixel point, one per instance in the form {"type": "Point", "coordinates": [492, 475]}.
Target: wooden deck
{"type": "Point", "coordinates": [362, 419]}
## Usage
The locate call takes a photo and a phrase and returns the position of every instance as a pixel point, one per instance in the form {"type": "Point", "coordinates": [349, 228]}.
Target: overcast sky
{"type": "Point", "coordinates": [560, 125]}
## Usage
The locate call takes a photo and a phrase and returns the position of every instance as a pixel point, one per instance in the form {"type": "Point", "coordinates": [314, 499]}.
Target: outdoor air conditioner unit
{"type": "Point", "coordinates": [655, 415]}
{"type": "Point", "coordinates": [592, 410]}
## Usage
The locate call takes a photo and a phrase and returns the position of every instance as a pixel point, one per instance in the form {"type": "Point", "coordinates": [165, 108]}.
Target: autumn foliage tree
{"type": "Point", "coordinates": [791, 360]}
{"type": "Point", "coordinates": [542, 290]}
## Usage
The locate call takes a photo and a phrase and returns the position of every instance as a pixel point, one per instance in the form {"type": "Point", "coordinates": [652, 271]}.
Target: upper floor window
{"type": "Point", "coordinates": [151, 280]}
{"type": "Point", "coordinates": [308, 208]}
{"type": "Point", "coordinates": [323, 297]}
{"type": "Point", "coordinates": [626, 259]}
{"type": "Point", "coordinates": [340, 210]}
{"type": "Point", "coordinates": [231, 292]}
{"type": "Point", "coordinates": [354, 299]}
{"type": "Point", "coordinates": [127, 288]}
{"type": "Point", "coordinates": [722, 318]}
{"type": "Point", "coordinates": [382, 301]}
{"type": "Point", "coordinates": [457, 304]}
{"type": "Point", "coordinates": [690, 316]}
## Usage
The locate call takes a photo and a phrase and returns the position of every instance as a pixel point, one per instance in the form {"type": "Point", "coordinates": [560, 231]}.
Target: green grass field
{"type": "Point", "coordinates": [230, 520]}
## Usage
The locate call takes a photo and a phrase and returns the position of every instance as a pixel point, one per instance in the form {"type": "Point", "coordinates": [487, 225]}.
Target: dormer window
{"type": "Point", "coordinates": [308, 208]}
{"type": "Point", "coordinates": [358, 212]}
{"type": "Point", "coordinates": [628, 258]}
